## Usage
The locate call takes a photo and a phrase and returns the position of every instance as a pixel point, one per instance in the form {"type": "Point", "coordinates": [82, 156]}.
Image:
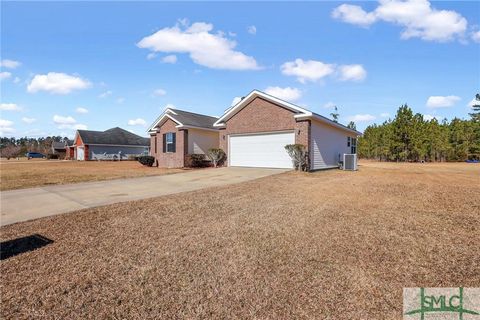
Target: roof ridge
{"type": "Point", "coordinates": [198, 114]}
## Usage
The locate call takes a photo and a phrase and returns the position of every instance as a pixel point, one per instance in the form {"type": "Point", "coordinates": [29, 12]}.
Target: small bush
{"type": "Point", "coordinates": [217, 156]}
{"type": "Point", "coordinates": [146, 160]}
{"type": "Point", "coordinates": [52, 156]}
{"type": "Point", "coordinates": [197, 161]}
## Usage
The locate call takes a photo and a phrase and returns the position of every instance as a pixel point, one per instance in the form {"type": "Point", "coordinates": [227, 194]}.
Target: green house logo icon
{"type": "Point", "coordinates": [436, 303]}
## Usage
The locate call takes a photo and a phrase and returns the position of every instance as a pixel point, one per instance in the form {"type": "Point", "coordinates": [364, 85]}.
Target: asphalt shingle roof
{"type": "Point", "coordinates": [114, 136]}
{"type": "Point", "coordinates": [58, 145]}
{"type": "Point", "coordinates": [194, 119]}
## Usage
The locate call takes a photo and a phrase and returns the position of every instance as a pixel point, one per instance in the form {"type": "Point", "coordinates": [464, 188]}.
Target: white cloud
{"type": "Point", "coordinates": [57, 83]}
{"type": "Point", "coordinates": [105, 94]}
{"type": "Point", "coordinates": [354, 15]}
{"type": "Point", "coordinates": [329, 105]}
{"type": "Point", "coordinates": [212, 50]}
{"type": "Point", "coordinates": [235, 101]}
{"type": "Point", "coordinates": [16, 80]}
{"type": "Point", "coordinates": [442, 101]}
{"type": "Point", "coordinates": [313, 70]}
{"type": "Point", "coordinates": [68, 122]}
{"type": "Point", "coordinates": [9, 107]}
{"type": "Point", "coordinates": [169, 106]}
{"type": "Point", "coordinates": [6, 127]}
{"type": "Point", "coordinates": [79, 126]}
{"type": "Point", "coordinates": [28, 120]}
{"type": "Point", "coordinates": [120, 100]}
{"type": "Point", "coordinates": [159, 92]}
{"type": "Point", "coordinates": [151, 56]}
{"type": "Point", "coordinates": [287, 93]}
{"type": "Point", "coordinates": [309, 70]}
{"type": "Point", "coordinates": [417, 17]}
{"type": "Point", "coordinates": [5, 75]}
{"type": "Point", "coordinates": [10, 64]}
{"type": "Point", "coordinates": [429, 117]}
{"type": "Point", "coordinates": [472, 103]}
{"type": "Point", "coordinates": [361, 118]}
{"type": "Point", "coordinates": [170, 59]}
{"type": "Point", "coordinates": [353, 72]}
{"type": "Point", "coordinates": [385, 115]}
{"type": "Point", "coordinates": [137, 122]}
{"type": "Point", "coordinates": [252, 29]}
{"type": "Point", "coordinates": [61, 120]}
{"type": "Point", "coordinates": [81, 110]}
{"type": "Point", "coordinates": [476, 36]}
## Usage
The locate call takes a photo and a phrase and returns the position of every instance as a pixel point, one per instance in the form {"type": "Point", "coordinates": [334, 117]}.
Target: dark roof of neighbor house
{"type": "Point", "coordinates": [114, 136]}
{"type": "Point", "coordinates": [58, 145]}
{"type": "Point", "coordinates": [194, 119]}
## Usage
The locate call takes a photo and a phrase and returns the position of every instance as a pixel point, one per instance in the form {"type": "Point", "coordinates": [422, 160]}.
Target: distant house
{"type": "Point", "coordinates": [112, 144]}
{"type": "Point", "coordinates": [59, 148]}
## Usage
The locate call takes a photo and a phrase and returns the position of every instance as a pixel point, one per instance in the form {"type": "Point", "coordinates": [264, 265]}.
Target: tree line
{"type": "Point", "coordinates": [410, 137]}
{"type": "Point", "coordinates": [18, 147]}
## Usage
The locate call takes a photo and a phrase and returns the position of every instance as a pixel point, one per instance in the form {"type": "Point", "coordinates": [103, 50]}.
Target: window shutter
{"type": "Point", "coordinates": [164, 144]}
{"type": "Point", "coordinates": [174, 138]}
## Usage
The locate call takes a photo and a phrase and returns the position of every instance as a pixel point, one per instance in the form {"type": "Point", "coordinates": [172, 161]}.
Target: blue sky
{"type": "Point", "coordinates": [96, 65]}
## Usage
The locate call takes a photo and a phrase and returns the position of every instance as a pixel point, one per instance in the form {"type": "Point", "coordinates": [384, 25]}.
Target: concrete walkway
{"type": "Point", "coordinates": [27, 204]}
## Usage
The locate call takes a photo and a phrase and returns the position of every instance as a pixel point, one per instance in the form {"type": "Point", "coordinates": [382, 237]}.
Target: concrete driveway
{"type": "Point", "coordinates": [28, 204]}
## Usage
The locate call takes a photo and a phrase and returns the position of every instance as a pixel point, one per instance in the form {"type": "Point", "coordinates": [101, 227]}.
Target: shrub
{"type": "Point", "coordinates": [146, 160]}
{"type": "Point", "coordinates": [196, 160]}
{"type": "Point", "coordinates": [217, 156]}
{"type": "Point", "coordinates": [299, 156]}
{"type": "Point", "coordinates": [51, 156]}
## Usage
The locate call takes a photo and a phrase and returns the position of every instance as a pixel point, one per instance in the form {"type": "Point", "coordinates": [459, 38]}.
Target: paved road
{"type": "Point", "coordinates": [33, 203]}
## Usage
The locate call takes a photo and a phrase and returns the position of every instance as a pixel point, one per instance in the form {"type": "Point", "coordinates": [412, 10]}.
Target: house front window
{"type": "Point", "coordinates": [169, 142]}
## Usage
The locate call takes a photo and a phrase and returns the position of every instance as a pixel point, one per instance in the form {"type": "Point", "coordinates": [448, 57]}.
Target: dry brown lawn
{"type": "Point", "coordinates": [37, 172]}
{"type": "Point", "coordinates": [328, 245]}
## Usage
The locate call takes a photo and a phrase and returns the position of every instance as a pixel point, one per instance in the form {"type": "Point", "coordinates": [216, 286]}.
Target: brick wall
{"type": "Point", "coordinates": [263, 116]}
{"type": "Point", "coordinates": [169, 159]}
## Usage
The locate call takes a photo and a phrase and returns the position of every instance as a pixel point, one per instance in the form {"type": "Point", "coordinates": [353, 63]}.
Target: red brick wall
{"type": "Point", "coordinates": [169, 159]}
{"type": "Point", "coordinates": [263, 116]}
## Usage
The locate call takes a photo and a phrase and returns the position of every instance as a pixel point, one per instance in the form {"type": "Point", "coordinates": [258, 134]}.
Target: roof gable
{"type": "Point", "coordinates": [250, 97]}
{"type": "Point", "coordinates": [299, 112]}
{"type": "Point", "coordinates": [185, 119]}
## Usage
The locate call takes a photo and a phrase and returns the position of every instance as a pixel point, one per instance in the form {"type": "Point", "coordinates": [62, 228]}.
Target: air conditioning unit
{"type": "Point", "coordinates": [349, 162]}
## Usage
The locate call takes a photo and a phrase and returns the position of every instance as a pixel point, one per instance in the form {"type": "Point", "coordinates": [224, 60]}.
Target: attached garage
{"type": "Point", "coordinates": [254, 133]}
{"type": "Point", "coordinates": [264, 150]}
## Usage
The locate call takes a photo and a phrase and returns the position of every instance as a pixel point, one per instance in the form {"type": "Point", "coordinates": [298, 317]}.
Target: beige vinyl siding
{"type": "Point", "coordinates": [199, 141]}
{"type": "Point", "coordinates": [327, 142]}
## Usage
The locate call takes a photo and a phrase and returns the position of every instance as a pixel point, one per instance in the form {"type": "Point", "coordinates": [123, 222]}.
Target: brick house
{"type": "Point", "coordinates": [253, 133]}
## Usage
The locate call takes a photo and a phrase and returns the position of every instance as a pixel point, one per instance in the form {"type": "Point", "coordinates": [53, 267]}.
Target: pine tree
{"type": "Point", "coordinates": [476, 109]}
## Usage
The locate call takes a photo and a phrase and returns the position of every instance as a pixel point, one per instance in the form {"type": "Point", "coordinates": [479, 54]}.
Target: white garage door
{"type": "Point", "coordinates": [80, 153]}
{"type": "Point", "coordinates": [261, 150]}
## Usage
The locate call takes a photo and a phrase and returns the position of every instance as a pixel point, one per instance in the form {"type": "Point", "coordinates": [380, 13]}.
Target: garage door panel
{"type": "Point", "coordinates": [261, 150]}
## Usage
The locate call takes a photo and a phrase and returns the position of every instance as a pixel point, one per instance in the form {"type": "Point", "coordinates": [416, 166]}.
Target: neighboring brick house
{"type": "Point", "coordinates": [112, 144]}
{"type": "Point", "coordinates": [254, 132]}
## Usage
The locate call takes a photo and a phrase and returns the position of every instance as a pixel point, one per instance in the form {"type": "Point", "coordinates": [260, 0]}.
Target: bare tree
{"type": "Point", "coordinates": [217, 156]}
{"type": "Point", "coordinates": [298, 153]}
{"type": "Point", "coordinates": [10, 151]}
